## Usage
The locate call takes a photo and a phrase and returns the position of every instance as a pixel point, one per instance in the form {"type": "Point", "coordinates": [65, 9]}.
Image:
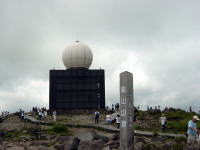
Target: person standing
{"type": "Point", "coordinates": [118, 121]}
{"type": "Point", "coordinates": [22, 115]}
{"type": "Point", "coordinates": [40, 114]}
{"type": "Point", "coordinates": [96, 114]}
{"type": "Point", "coordinates": [45, 114]}
{"type": "Point", "coordinates": [54, 115]}
{"type": "Point", "coordinates": [192, 130]}
{"type": "Point", "coordinates": [163, 121]}
{"type": "Point", "coordinates": [108, 119]}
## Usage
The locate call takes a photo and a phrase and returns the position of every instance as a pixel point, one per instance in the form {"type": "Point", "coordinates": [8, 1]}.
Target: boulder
{"type": "Point", "coordinates": [75, 144]}
{"type": "Point", "coordinates": [42, 142]}
{"type": "Point", "coordinates": [106, 148]}
{"type": "Point", "coordinates": [59, 146]}
{"type": "Point", "coordinates": [139, 139]}
{"type": "Point", "coordinates": [94, 145]}
{"type": "Point", "coordinates": [115, 137]}
{"type": "Point", "coordinates": [62, 139]}
{"type": "Point", "coordinates": [160, 138]}
{"type": "Point", "coordinates": [139, 146]}
{"type": "Point", "coordinates": [110, 143]}
{"type": "Point", "coordinates": [168, 145]}
{"type": "Point", "coordinates": [86, 136]}
{"type": "Point", "coordinates": [192, 147]}
{"type": "Point", "coordinates": [24, 138]}
{"type": "Point", "coordinates": [103, 138]}
{"type": "Point", "coordinates": [15, 147]}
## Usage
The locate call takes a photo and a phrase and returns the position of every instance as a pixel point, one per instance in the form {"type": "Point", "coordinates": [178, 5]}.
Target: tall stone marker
{"type": "Point", "coordinates": [126, 111]}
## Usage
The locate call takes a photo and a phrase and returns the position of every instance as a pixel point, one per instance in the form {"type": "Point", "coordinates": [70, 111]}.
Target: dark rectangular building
{"type": "Point", "coordinates": [76, 89]}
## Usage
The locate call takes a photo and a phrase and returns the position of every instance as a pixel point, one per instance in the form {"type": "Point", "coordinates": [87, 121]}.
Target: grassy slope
{"type": "Point", "coordinates": [177, 120]}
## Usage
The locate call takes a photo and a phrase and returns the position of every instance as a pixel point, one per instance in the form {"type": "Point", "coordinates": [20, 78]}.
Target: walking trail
{"type": "Point", "coordinates": [108, 128]}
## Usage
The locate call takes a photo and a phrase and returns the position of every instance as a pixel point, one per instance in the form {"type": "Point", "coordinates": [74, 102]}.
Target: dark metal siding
{"type": "Point", "coordinates": [76, 89]}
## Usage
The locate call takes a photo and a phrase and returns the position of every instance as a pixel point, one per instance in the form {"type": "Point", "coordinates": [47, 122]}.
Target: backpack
{"type": "Point", "coordinates": [97, 115]}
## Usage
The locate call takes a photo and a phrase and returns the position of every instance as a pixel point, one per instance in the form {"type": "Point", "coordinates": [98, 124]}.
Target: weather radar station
{"type": "Point", "coordinates": [77, 87]}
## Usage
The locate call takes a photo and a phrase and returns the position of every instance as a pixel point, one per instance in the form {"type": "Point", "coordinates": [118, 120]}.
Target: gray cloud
{"type": "Point", "coordinates": [158, 41]}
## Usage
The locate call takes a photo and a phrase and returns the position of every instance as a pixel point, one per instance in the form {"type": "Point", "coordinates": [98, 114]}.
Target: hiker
{"type": "Point", "coordinates": [192, 130]}
{"type": "Point", "coordinates": [20, 112]}
{"type": "Point", "coordinates": [96, 114]}
{"type": "Point", "coordinates": [45, 114]}
{"type": "Point", "coordinates": [118, 121]}
{"type": "Point", "coordinates": [163, 121]}
{"type": "Point", "coordinates": [108, 119]}
{"type": "Point", "coordinates": [54, 115]}
{"type": "Point", "coordinates": [22, 115]}
{"type": "Point", "coordinates": [40, 114]}
{"type": "Point", "coordinates": [1, 119]}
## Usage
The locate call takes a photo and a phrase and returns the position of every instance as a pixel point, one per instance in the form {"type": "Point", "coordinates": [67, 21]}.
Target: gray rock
{"type": "Point", "coordinates": [115, 137]}
{"type": "Point", "coordinates": [110, 143]}
{"type": "Point", "coordinates": [47, 137]}
{"type": "Point", "coordinates": [62, 139]}
{"type": "Point", "coordinates": [106, 148]}
{"type": "Point", "coordinates": [24, 138]}
{"type": "Point", "coordinates": [94, 145]}
{"type": "Point", "coordinates": [103, 138]}
{"type": "Point", "coordinates": [15, 147]}
{"type": "Point", "coordinates": [160, 139]}
{"type": "Point", "coordinates": [192, 147]}
{"type": "Point", "coordinates": [75, 144]}
{"type": "Point", "coordinates": [139, 146]}
{"type": "Point", "coordinates": [86, 136]}
{"type": "Point", "coordinates": [59, 146]}
{"type": "Point", "coordinates": [168, 145]}
{"type": "Point", "coordinates": [139, 139]}
{"type": "Point", "coordinates": [10, 145]}
{"type": "Point", "coordinates": [43, 142]}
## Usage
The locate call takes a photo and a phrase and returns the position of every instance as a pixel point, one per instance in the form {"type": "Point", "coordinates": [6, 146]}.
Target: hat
{"type": "Point", "coordinates": [195, 117]}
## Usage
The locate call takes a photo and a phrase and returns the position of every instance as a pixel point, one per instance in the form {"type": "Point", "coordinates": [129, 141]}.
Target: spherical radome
{"type": "Point", "coordinates": [77, 55]}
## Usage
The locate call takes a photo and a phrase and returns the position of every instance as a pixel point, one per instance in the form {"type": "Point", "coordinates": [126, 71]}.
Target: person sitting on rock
{"type": "Point", "coordinates": [192, 130]}
{"type": "Point", "coordinates": [163, 121]}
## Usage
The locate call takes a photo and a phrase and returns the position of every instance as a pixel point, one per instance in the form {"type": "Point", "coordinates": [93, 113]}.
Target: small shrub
{"type": "Point", "coordinates": [150, 147]}
{"type": "Point", "coordinates": [180, 139]}
{"type": "Point", "coordinates": [59, 129]}
{"type": "Point", "coordinates": [178, 146]}
{"type": "Point", "coordinates": [155, 134]}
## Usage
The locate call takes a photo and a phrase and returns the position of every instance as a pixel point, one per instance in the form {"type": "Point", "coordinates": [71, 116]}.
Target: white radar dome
{"type": "Point", "coordinates": [77, 55]}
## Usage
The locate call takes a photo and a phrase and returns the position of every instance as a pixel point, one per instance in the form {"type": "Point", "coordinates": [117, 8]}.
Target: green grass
{"type": "Point", "coordinates": [9, 135]}
{"type": "Point", "coordinates": [177, 120]}
{"type": "Point", "coordinates": [59, 129]}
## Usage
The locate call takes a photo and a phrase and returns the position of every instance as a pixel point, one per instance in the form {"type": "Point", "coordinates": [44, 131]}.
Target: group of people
{"type": "Point", "coordinates": [192, 132]}
{"type": "Point", "coordinates": [4, 113]}
{"type": "Point", "coordinates": [108, 118]}
{"type": "Point", "coordinates": [41, 112]}
{"type": "Point", "coordinates": [21, 114]}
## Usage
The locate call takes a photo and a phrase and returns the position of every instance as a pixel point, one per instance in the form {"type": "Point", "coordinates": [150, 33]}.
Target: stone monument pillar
{"type": "Point", "coordinates": [126, 111]}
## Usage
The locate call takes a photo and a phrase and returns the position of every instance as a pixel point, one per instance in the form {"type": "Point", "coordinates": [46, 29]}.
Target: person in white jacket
{"type": "Point", "coordinates": [54, 115]}
{"type": "Point", "coordinates": [118, 121]}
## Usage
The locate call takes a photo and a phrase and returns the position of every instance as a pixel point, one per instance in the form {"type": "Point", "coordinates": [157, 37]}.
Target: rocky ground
{"type": "Point", "coordinates": [19, 135]}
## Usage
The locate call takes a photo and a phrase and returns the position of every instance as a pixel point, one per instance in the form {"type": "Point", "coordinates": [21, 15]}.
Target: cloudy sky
{"type": "Point", "coordinates": [158, 41]}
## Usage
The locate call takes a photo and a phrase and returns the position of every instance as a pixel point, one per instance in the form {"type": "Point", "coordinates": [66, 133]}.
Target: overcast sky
{"type": "Point", "coordinates": [158, 41]}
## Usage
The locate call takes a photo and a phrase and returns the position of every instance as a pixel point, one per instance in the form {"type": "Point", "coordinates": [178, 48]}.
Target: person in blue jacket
{"type": "Point", "coordinates": [192, 130]}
